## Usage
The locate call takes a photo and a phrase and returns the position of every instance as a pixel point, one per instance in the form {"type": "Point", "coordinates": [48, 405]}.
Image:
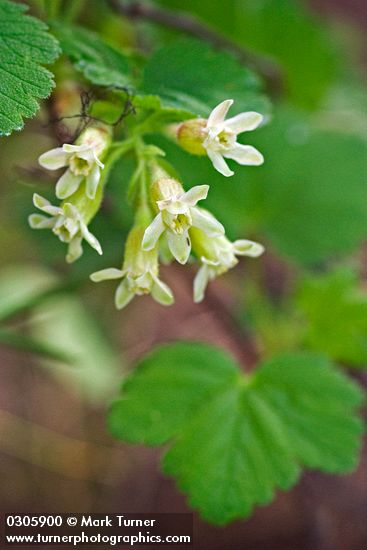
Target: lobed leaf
{"type": "Point", "coordinates": [235, 439]}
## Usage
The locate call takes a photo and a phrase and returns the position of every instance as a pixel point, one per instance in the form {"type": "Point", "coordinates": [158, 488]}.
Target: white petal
{"type": "Point", "coordinates": [161, 292]}
{"type": "Point", "coordinates": [37, 221]}
{"type": "Point", "coordinates": [180, 246]}
{"type": "Point", "coordinates": [245, 154]}
{"type": "Point", "coordinates": [219, 163]}
{"type": "Point", "coordinates": [206, 222]}
{"type": "Point", "coordinates": [90, 238]}
{"type": "Point", "coordinates": [75, 250]}
{"type": "Point", "coordinates": [218, 114]}
{"type": "Point", "coordinates": [244, 122]}
{"type": "Point", "coordinates": [43, 204]}
{"type": "Point", "coordinates": [68, 148]}
{"type": "Point", "coordinates": [200, 283]}
{"type": "Point", "coordinates": [67, 185]}
{"type": "Point", "coordinates": [87, 155]}
{"type": "Point", "coordinates": [174, 207]}
{"type": "Point", "coordinates": [106, 274]}
{"type": "Point", "coordinates": [244, 247]}
{"type": "Point", "coordinates": [123, 295]}
{"type": "Point", "coordinates": [92, 181]}
{"type": "Point", "coordinates": [195, 194]}
{"type": "Point", "coordinates": [96, 159]}
{"type": "Point", "coordinates": [69, 225]}
{"type": "Point", "coordinates": [152, 233]}
{"type": "Point", "coordinates": [71, 211]}
{"type": "Point", "coordinates": [54, 159]}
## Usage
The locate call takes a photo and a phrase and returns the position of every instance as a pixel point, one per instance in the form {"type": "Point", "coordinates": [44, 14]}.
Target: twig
{"type": "Point", "coordinates": [192, 26]}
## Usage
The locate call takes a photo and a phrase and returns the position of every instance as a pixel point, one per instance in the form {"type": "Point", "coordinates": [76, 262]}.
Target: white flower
{"type": "Point", "coordinates": [82, 161]}
{"type": "Point", "coordinates": [178, 213]}
{"type": "Point", "coordinates": [220, 256]}
{"type": "Point", "coordinates": [67, 223]}
{"type": "Point", "coordinates": [221, 138]}
{"type": "Point", "coordinates": [139, 274]}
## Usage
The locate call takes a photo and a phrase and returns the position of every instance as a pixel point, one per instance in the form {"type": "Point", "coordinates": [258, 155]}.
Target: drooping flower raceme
{"type": "Point", "coordinates": [217, 137]}
{"type": "Point", "coordinates": [83, 161]}
{"type": "Point", "coordinates": [217, 256]}
{"type": "Point", "coordinates": [139, 273]}
{"type": "Point", "coordinates": [68, 221]}
{"type": "Point", "coordinates": [177, 214]}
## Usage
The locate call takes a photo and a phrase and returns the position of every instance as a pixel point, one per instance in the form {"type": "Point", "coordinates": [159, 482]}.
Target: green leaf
{"type": "Point", "coordinates": [190, 75]}
{"type": "Point", "coordinates": [160, 112]}
{"type": "Point", "coordinates": [335, 310]}
{"type": "Point", "coordinates": [285, 31]}
{"type": "Point", "coordinates": [235, 439]}
{"type": "Point", "coordinates": [25, 45]}
{"type": "Point", "coordinates": [100, 63]}
{"type": "Point", "coordinates": [316, 176]}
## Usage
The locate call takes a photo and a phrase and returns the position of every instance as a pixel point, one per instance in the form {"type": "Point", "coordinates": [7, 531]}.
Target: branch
{"type": "Point", "coordinates": [192, 26]}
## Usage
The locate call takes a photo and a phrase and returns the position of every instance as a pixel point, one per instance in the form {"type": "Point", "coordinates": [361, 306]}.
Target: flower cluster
{"type": "Point", "coordinates": [79, 187]}
{"type": "Point", "coordinates": [182, 227]}
{"type": "Point", "coordinates": [169, 222]}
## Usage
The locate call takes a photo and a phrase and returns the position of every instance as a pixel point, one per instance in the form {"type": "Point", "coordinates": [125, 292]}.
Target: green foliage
{"type": "Point", "coordinates": [190, 75]}
{"type": "Point", "coordinates": [236, 438]}
{"type": "Point", "coordinates": [335, 308]}
{"type": "Point", "coordinates": [311, 191]}
{"type": "Point", "coordinates": [99, 62]}
{"type": "Point", "coordinates": [283, 30]}
{"type": "Point", "coordinates": [25, 45]}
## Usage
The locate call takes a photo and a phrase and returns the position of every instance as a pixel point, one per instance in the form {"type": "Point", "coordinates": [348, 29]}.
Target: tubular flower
{"type": "Point", "coordinates": [139, 273]}
{"type": "Point", "coordinates": [177, 214]}
{"type": "Point", "coordinates": [217, 137]}
{"type": "Point", "coordinates": [83, 161]}
{"type": "Point", "coordinates": [68, 222]}
{"type": "Point", "coordinates": [221, 140]}
{"type": "Point", "coordinates": [217, 256]}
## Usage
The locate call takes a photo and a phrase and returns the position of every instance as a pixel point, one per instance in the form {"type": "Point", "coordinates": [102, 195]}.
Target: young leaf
{"type": "Point", "coordinates": [25, 45]}
{"type": "Point", "coordinates": [335, 310]}
{"type": "Point", "coordinates": [100, 63]}
{"type": "Point", "coordinates": [201, 79]}
{"type": "Point", "coordinates": [235, 439]}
